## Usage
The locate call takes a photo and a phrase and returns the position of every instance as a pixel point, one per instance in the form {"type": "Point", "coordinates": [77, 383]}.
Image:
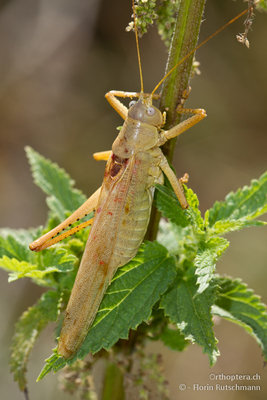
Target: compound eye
{"type": "Point", "coordinates": [150, 111]}
{"type": "Point", "coordinates": [132, 103]}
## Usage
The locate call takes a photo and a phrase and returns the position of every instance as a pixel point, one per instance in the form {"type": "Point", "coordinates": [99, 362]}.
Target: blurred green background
{"type": "Point", "coordinates": [58, 59]}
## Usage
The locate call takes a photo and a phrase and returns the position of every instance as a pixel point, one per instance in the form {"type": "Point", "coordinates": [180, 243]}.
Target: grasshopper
{"type": "Point", "coordinates": [121, 205]}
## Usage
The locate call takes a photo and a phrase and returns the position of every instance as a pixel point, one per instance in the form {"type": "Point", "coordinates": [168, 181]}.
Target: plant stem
{"type": "Point", "coordinates": [113, 383]}
{"type": "Point", "coordinates": [185, 37]}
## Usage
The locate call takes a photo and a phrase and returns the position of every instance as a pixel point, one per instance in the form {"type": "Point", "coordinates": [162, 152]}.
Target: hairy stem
{"type": "Point", "coordinates": [185, 37]}
{"type": "Point", "coordinates": [113, 383]}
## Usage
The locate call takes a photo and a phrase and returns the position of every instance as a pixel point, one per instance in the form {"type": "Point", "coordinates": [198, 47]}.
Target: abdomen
{"type": "Point", "coordinates": [135, 218]}
{"type": "Point", "coordinates": [119, 227]}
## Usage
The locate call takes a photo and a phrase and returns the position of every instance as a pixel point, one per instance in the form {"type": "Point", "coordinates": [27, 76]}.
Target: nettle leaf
{"type": "Point", "coordinates": [262, 5]}
{"type": "Point", "coordinates": [129, 300]}
{"type": "Point", "coordinates": [22, 269]}
{"type": "Point", "coordinates": [225, 226]}
{"type": "Point", "coordinates": [169, 206]}
{"type": "Point", "coordinates": [134, 290]}
{"type": "Point", "coordinates": [174, 339]}
{"type": "Point", "coordinates": [191, 311]}
{"type": "Point", "coordinates": [183, 232]}
{"type": "Point", "coordinates": [55, 182]}
{"type": "Point", "coordinates": [168, 234]}
{"type": "Point", "coordinates": [240, 208]}
{"type": "Point", "coordinates": [236, 303]}
{"type": "Point", "coordinates": [59, 258]}
{"type": "Point", "coordinates": [20, 262]}
{"type": "Point", "coordinates": [53, 363]}
{"type": "Point", "coordinates": [27, 330]}
{"type": "Point", "coordinates": [180, 242]}
{"type": "Point", "coordinates": [206, 259]}
{"type": "Point", "coordinates": [14, 243]}
{"type": "Point", "coordinates": [43, 267]}
{"type": "Point", "coordinates": [193, 212]}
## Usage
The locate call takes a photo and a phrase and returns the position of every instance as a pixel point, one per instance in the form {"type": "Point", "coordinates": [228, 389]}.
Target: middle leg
{"type": "Point", "coordinates": [198, 115]}
{"type": "Point", "coordinates": [174, 181]}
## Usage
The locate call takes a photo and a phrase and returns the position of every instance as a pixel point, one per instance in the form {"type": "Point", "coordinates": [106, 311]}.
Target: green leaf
{"type": "Point", "coordinates": [192, 313]}
{"type": "Point", "coordinates": [184, 243]}
{"type": "Point", "coordinates": [14, 243]}
{"type": "Point", "coordinates": [182, 235]}
{"type": "Point", "coordinates": [134, 290]}
{"type": "Point", "coordinates": [55, 182]}
{"type": "Point", "coordinates": [225, 226]}
{"type": "Point", "coordinates": [22, 269]}
{"type": "Point", "coordinates": [42, 267]}
{"type": "Point", "coordinates": [173, 339]}
{"type": "Point", "coordinates": [262, 5]}
{"type": "Point", "coordinates": [53, 363]}
{"type": "Point", "coordinates": [128, 301]}
{"type": "Point", "coordinates": [239, 209]}
{"type": "Point", "coordinates": [206, 259]}
{"type": "Point", "coordinates": [236, 303]}
{"type": "Point", "coordinates": [27, 330]}
{"type": "Point", "coordinates": [58, 257]}
{"type": "Point", "coordinates": [193, 212]}
{"type": "Point", "coordinates": [169, 206]}
{"type": "Point", "coordinates": [169, 235]}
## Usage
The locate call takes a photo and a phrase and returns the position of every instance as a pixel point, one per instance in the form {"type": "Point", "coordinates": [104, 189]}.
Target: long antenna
{"type": "Point", "coordinates": [138, 50]}
{"type": "Point", "coordinates": [198, 46]}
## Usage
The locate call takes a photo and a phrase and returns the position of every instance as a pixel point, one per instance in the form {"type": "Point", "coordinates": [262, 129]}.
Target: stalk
{"type": "Point", "coordinates": [185, 37]}
{"type": "Point", "coordinates": [113, 383]}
